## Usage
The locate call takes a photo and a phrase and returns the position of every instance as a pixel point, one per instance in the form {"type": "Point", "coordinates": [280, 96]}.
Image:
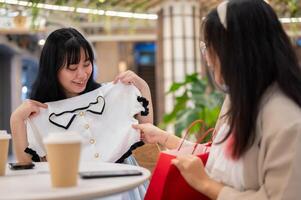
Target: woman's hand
{"type": "Point", "coordinates": [150, 133]}
{"type": "Point", "coordinates": [192, 169]}
{"type": "Point", "coordinates": [129, 77]}
{"type": "Point", "coordinates": [27, 109]}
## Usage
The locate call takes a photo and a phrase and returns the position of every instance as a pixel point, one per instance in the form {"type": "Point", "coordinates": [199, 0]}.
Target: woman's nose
{"type": "Point", "coordinates": [82, 72]}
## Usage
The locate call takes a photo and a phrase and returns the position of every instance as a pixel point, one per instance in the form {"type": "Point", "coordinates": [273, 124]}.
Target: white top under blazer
{"type": "Point", "coordinates": [103, 117]}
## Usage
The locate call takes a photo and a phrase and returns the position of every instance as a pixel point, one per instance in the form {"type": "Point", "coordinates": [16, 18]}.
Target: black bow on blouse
{"type": "Point", "coordinates": [145, 103]}
{"type": "Point", "coordinates": [96, 107]}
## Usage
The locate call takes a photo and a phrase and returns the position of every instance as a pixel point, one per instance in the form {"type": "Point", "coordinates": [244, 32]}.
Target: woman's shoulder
{"type": "Point", "coordinates": [276, 103]}
{"type": "Point", "coordinates": [277, 111]}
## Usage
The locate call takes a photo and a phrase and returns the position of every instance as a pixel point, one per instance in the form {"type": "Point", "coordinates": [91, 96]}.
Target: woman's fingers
{"type": "Point", "coordinates": [43, 105]}
{"type": "Point", "coordinates": [34, 108]}
{"type": "Point", "coordinates": [117, 78]}
{"type": "Point", "coordinates": [137, 126]}
{"type": "Point", "coordinates": [129, 79]}
{"type": "Point", "coordinates": [177, 163]}
{"type": "Point", "coordinates": [37, 103]}
{"type": "Point", "coordinates": [34, 112]}
{"type": "Point", "coordinates": [182, 161]}
{"type": "Point", "coordinates": [142, 137]}
{"type": "Point", "coordinates": [126, 77]}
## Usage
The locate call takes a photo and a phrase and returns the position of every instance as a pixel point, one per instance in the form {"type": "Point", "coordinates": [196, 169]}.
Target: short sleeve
{"type": "Point", "coordinates": [136, 107]}
{"type": "Point", "coordinates": [34, 138]}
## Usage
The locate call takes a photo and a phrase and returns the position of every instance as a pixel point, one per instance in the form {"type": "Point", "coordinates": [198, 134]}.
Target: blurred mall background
{"type": "Point", "coordinates": [158, 39]}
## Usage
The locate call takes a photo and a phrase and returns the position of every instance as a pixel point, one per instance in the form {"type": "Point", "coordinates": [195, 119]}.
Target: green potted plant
{"type": "Point", "coordinates": [199, 100]}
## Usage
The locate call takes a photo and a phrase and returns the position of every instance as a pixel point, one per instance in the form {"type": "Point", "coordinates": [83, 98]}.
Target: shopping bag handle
{"type": "Point", "coordinates": [200, 139]}
{"type": "Point", "coordinates": [201, 122]}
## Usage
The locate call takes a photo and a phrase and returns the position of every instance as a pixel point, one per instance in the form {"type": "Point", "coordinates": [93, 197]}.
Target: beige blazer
{"type": "Point", "coordinates": [272, 167]}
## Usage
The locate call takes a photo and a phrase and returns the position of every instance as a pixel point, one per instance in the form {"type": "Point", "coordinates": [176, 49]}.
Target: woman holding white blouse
{"type": "Point", "coordinates": [65, 72]}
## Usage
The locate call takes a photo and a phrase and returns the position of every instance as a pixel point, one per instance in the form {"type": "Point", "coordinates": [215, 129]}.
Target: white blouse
{"type": "Point", "coordinates": [103, 117]}
{"type": "Point", "coordinates": [220, 166]}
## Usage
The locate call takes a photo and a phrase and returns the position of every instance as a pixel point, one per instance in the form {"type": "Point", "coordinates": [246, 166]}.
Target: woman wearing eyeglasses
{"type": "Point", "coordinates": [256, 153]}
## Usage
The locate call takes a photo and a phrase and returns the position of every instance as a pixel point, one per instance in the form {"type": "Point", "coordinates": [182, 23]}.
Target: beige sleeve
{"type": "Point", "coordinates": [281, 169]}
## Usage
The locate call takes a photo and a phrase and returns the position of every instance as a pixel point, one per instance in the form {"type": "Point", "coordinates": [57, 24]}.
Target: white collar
{"type": "Point", "coordinates": [63, 112]}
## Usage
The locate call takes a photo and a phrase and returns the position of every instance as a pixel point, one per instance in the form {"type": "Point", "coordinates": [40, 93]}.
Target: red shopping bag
{"type": "Point", "coordinates": [167, 182]}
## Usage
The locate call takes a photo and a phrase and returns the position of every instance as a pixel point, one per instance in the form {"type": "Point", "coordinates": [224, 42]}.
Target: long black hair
{"type": "Point", "coordinates": [254, 53]}
{"type": "Point", "coordinates": [62, 48]}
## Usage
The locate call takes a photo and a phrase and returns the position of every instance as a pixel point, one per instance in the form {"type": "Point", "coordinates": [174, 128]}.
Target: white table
{"type": "Point", "coordinates": [36, 184]}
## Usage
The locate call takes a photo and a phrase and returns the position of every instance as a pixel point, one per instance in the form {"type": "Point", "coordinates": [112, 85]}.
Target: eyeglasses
{"type": "Point", "coordinates": [203, 49]}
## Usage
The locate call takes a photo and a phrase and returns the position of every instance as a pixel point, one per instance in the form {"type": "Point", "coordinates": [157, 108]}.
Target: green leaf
{"type": "Point", "coordinates": [174, 87]}
{"type": "Point", "coordinates": [180, 105]}
{"type": "Point", "coordinates": [191, 78]}
{"type": "Point", "coordinates": [198, 101]}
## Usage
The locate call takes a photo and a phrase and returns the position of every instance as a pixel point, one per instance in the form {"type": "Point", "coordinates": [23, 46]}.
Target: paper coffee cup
{"type": "Point", "coordinates": [4, 143]}
{"type": "Point", "coordinates": [63, 154]}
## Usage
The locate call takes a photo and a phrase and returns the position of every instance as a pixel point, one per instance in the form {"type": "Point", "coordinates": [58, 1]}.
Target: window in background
{"type": "Point", "coordinates": [29, 74]}
{"type": "Point", "coordinates": [145, 62]}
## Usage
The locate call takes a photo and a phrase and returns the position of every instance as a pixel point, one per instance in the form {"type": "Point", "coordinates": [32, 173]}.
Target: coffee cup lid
{"type": "Point", "coordinates": [63, 138]}
{"type": "Point", "coordinates": [4, 135]}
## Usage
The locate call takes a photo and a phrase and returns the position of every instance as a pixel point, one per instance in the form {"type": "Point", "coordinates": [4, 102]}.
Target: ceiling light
{"type": "Point", "coordinates": [290, 20]}
{"type": "Point", "coordinates": [84, 10]}
{"type": "Point", "coordinates": [41, 42]}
